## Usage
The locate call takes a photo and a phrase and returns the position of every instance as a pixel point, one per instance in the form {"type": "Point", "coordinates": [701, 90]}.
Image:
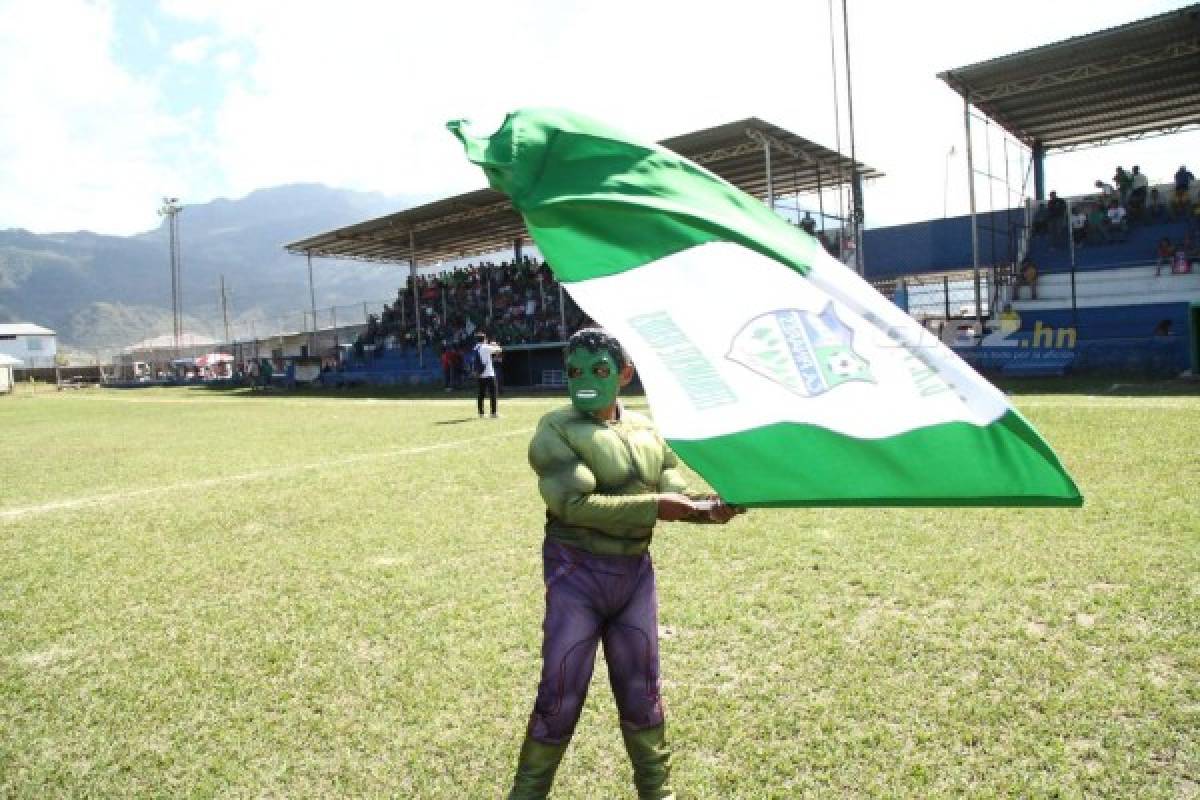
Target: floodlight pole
{"type": "Point", "coordinates": [170, 209]}
{"type": "Point", "coordinates": [224, 309]}
{"type": "Point", "coordinates": [412, 271]}
{"type": "Point", "coordinates": [974, 221]}
{"type": "Point", "coordinates": [856, 192]}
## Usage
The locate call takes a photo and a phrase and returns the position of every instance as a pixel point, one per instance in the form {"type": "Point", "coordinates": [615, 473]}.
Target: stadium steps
{"type": "Point", "coordinates": [1125, 286]}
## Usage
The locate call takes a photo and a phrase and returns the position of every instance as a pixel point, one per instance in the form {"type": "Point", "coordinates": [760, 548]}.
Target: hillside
{"type": "Point", "coordinates": [100, 292]}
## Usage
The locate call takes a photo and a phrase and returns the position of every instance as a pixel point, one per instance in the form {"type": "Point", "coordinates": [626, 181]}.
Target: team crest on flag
{"type": "Point", "coordinates": [806, 353]}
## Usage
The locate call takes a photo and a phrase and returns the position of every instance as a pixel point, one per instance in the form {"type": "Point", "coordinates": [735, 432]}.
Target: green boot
{"type": "Point", "coordinates": [651, 759]}
{"type": "Point", "coordinates": [535, 769]}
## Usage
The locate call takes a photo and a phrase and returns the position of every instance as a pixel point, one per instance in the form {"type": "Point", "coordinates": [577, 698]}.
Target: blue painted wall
{"type": "Point", "coordinates": [940, 245]}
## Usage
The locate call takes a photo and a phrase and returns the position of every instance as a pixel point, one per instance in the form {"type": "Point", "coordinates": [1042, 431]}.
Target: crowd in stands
{"type": "Point", "coordinates": [515, 302]}
{"type": "Point", "coordinates": [1127, 201]}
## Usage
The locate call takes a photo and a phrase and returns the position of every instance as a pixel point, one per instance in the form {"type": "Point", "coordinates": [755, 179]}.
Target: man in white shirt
{"type": "Point", "coordinates": [485, 369]}
{"type": "Point", "coordinates": [1138, 180]}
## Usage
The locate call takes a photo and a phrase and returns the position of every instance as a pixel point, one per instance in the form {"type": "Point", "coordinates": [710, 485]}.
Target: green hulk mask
{"type": "Point", "coordinates": [593, 379]}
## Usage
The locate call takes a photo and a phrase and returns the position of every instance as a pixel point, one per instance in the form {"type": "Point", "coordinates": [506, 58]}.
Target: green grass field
{"type": "Point", "coordinates": [221, 594]}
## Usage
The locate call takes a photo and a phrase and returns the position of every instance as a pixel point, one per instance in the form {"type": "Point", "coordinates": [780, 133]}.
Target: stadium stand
{"type": "Point", "coordinates": [517, 303]}
{"type": "Point", "coordinates": [1104, 247]}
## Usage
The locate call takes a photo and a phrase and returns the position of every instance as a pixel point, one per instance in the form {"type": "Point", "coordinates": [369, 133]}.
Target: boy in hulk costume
{"type": "Point", "coordinates": [606, 477]}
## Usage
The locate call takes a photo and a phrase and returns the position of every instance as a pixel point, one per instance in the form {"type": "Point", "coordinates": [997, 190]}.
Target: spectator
{"type": "Point", "coordinates": [448, 369]}
{"type": "Point", "coordinates": [1181, 201]}
{"type": "Point", "coordinates": [1028, 276]}
{"type": "Point", "coordinates": [809, 224]}
{"type": "Point", "coordinates": [1181, 263]}
{"type": "Point", "coordinates": [1166, 254]}
{"type": "Point", "coordinates": [1078, 225]}
{"type": "Point", "coordinates": [1123, 180]}
{"type": "Point", "coordinates": [1163, 328]}
{"type": "Point", "coordinates": [1107, 191]}
{"type": "Point", "coordinates": [1138, 189]}
{"type": "Point", "coordinates": [1117, 226]}
{"type": "Point", "coordinates": [826, 243]}
{"type": "Point", "coordinates": [1056, 217]}
{"type": "Point", "coordinates": [1096, 230]}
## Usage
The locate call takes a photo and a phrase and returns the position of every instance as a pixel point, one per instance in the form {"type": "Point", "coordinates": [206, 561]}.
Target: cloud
{"type": "Point", "coordinates": [79, 137]}
{"type": "Point", "coordinates": [358, 97]}
{"type": "Point", "coordinates": [229, 62]}
{"type": "Point", "coordinates": [192, 51]}
{"type": "Point", "coordinates": [355, 95]}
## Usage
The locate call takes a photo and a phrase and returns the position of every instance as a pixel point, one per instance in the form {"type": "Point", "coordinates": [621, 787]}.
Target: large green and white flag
{"type": "Point", "coordinates": [773, 370]}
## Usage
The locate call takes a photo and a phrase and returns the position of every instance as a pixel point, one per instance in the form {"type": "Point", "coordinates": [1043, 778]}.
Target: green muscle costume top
{"type": "Point", "coordinates": [601, 480]}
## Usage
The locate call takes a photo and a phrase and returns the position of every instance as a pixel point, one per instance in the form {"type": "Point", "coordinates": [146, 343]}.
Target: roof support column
{"type": "Point", "coordinates": [974, 220]}
{"type": "Point", "coordinates": [312, 299]}
{"type": "Point", "coordinates": [562, 312]}
{"type": "Point", "coordinates": [856, 195]}
{"type": "Point", "coordinates": [1039, 172]}
{"type": "Point", "coordinates": [412, 272]}
{"type": "Point", "coordinates": [820, 197]}
{"type": "Point", "coordinates": [770, 187]}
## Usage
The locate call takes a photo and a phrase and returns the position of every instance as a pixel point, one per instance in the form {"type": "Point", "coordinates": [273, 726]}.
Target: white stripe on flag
{"type": "Point", "coordinates": [749, 342]}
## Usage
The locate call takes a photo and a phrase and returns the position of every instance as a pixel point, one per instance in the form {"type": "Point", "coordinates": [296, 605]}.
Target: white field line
{"type": "Point", "coordinates": [97, 499]}
{"type": "Point", "coordinates": [467, 404]}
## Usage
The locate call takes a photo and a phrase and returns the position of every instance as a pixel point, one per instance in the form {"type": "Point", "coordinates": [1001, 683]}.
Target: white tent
{"type": "Point", "coordinates": [6, 376]}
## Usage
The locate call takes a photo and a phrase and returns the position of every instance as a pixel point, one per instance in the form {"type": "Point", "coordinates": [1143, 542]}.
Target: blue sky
{"type": "Point", "coordinates": [111, 105]}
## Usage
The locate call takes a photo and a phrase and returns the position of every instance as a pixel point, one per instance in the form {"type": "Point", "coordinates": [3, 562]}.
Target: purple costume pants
{"type": "Point", "coordinates": [591, 598]}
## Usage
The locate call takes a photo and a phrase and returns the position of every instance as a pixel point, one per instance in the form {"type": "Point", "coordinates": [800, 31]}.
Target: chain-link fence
{"type": "Point", "coordinates": [946, 296]}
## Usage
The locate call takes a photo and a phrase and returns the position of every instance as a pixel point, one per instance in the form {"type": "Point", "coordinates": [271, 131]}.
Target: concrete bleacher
{"type": "Point", "coordinates": [1139, 247]}
{"type": "Point", "coordinates": [1116, 319]}
{"type": "Point", "coordinates": [1135, 290]}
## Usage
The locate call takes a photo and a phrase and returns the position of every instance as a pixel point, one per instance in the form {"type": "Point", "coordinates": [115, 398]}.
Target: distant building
{"type": "Point", "coordinates": [33, 345]}
{"type": "Point", "coordinates": [160, 351]}
{"type": "Point", "coordinates": [6, 373]}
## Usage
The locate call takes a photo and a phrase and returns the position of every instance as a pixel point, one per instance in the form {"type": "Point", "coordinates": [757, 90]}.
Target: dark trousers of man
{"type": "Point", "coordinates": [489, 385]}
{"type": "Point", "coordinates": [593, 599]}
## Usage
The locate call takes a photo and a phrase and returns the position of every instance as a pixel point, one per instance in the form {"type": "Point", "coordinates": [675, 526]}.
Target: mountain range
{"type": "Point", "coordinates": [103, 292]}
